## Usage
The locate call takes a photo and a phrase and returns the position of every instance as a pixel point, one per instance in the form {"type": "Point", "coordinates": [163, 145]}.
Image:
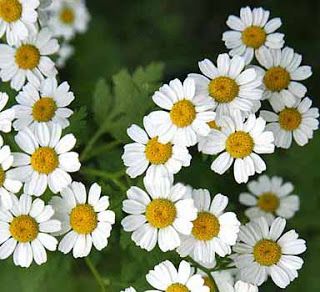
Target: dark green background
{"type": "Point", "coordinates": [127, 34]}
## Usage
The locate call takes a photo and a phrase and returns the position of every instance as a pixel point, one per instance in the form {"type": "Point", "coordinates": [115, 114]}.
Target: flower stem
{"type": "Point", "coordinates": [99, 150]}
{"type": "Point", "coordinates": [96, 274]}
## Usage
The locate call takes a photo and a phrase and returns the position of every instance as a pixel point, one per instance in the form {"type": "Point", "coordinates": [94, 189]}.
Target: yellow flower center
{"type": "Point", "coordinates": [83, 219]}
{"type": "Point", "coordinates": [161, 213]}
{"type": "Point", "coordinates": [44, 109]}
{"type": "Point", "coordinates": [209, 283]}
{"type": "Point", "coordinates": [290, 119]}
{"type": "Point", "coordinates": [254, 36]}
{"type": "Point", "coordinates": [239, 144]}
{"type": "Point", "coordinates": [67, 15]}
{"type": "Point", "coordinates": [213, 125]}
{"type": "Point", "coordinates": [2, 176]}
{"type": "Point", "coordinates": [24, 228]}
{"type": "Point", "coordinates": [10, 10]}
{"type": "Point", "coordinates": [183, 113]}
{"type": "Point", "coordinates": [267, 252]}
{"type": "Point", "coordinates": [27, 57]}
{"type": "Point", "coordinates": [223, 89]}
{"type": "Point", "coordinates": [276, 79]}
{"type": "Point", "coordinates": [158, 153]}
{"type": "Point", "coordinates": [268, 202]}
{"type": "Point", "coordinates": [44, 160]}
{"type": "Point", "coordinates": [177, 287]}
{"type": "Point", "coordinates": [206, 226]}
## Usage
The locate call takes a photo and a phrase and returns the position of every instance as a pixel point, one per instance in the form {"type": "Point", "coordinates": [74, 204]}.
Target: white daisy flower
{"type": "Point", "coordinates": [68, 17]}
{"type": "Point", "coordinates": [6, 116]}
{"type": "Point", "coordinates": [130, 289]}
{"type": "Point", "coordinates": [8, 184]}
{"type": "Point", "coordinates": [159, 216]}
{"type": "Point", "coordinates": [241, 286]}
{"type": "Point", "coordinates": [46, 159]}
{"type": "Point", "coordinates": [241, 142]}
{"type": "Point", "coordinates": [251, 31]}
{"type": "Point", "coordinates": [25, 231]}
{"type": "Point", "coordinates": [263, 251]}
{"type": "Point", "coordinates": [214, 231]}
{"type": "Point", "coordinates": [18, 19]}
{"type": "Point", "coordinates": [28, 60]}
{"type": "Point", "coordinates": [165, 277]}
{"type": "Point", "coordinates": [186, 115]}
{"type": "Point", "coordinates": [298, 121]}
{"type": "Point", "coordinates": [64, 54]}
{"type": "Point", "coordinates": [85, 219]}
{"type": "Point", "coordinates": [270, 197]}
{"type": "Point", "coordinates": [280, 80]}
{"type": "Point", "coordinates": [43, 104]}
{"type": "Point", "coordinates": [147, 153]}
{"type": "Point", "coordinates": [229, 85]}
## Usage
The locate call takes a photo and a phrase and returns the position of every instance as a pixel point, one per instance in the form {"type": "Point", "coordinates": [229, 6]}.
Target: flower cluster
{"type": "Point", "coordinates": [223, 111]}
{"type": "Point", "coordinates": [29, 224]}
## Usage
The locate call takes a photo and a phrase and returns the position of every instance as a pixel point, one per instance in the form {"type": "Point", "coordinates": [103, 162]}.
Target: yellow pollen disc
{"type": "Point", "coordinates": [267, 252]}
{"type": "Point", "coordinates": [223, 89]}
{"type": "Point", "coordinates": [183, 113]}
{"type": "Point", "coordinates": [44, 109]}
{"type": "Point", "coordinates": [239, 144]}
{"type": "Point", "coordinates": [276, 79]}
{"type": "Point", "coordinates": [209, 283]}
{"type": "Point", "coordinates": [254, 36]}
{"type": "Point", "coordinates": [290, 119]}
{"type": "Point", "coordinates": [158, 153]}
{"type": "Point", "coordinates": [67, 16]}
{"type": "Point", "coordinates": [213, 125]}
{"type": "Point", "coordinates": [161, 213]}
{"type": "Point", "coordinates": [83, 219]}
{"type": "Point", "coordinates": [44, 160]}
{"type": "Point", "coordinates": [206, 226]}
{"type": "Point", "coordinates": [177, 287]}
{"type": "Point", "coordinates": [27, 57]}
{"type": "Point", "coordinates": [2, 176]}
{"type": "Point", "coordinates": [10, 10]}
{"type": "Point", "coordinates": [268, 202]}
{"type": "Point", "coordinates": [24, 228]}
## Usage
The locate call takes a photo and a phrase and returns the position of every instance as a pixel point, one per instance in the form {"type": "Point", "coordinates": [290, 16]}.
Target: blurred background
{"type": "Point", "coordinates": [179, 33]}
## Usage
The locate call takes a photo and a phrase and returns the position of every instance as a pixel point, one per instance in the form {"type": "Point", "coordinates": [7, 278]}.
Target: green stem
{"type": "Point", "coordinates": [96, 274]}
{"type": "Point", "coordinates": [114, 176]}
{"type": "Point", "coordinates": [91, 142]}
{"type": "Point", "coordinates": [99, 150]}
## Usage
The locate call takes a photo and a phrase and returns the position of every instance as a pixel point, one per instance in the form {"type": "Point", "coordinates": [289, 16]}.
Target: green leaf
{"type": "Point", "coordinates": [128, 101]}
{"type": "Point", "coordinates": [78, 124]}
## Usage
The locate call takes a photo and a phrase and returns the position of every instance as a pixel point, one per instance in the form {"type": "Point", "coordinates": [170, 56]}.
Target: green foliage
{"type": "Point", "coordinates": [128, 100]}
{"type": "Point", "coordinates": [78, 125]}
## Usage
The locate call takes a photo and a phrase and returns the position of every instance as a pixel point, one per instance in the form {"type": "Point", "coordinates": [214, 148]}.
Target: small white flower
{"type": "Point", "coordinates": [68, 17]}
{"type": "Point", "coordinates": [25, 231]}
{"type": "Point", "coordinates": [213, 231]}
{"type": "Point", "coordinates": [298, 121]}
{"type": "Point", "coordinates": [43, 104]}
{"type": "Point", "coordinates": [159, 216]}
{"type": "Point", "coordinates": [6, 116]}
{"type": "Point", "coordinates": [165, 277]}
{"type": "Point", "coordinates": [240, 141]}
{"type": "Point", "coordinates": [28, 60]}
{"type": "Point", "coordinates": [65, 52]}
{"type": "Point", "coordinates": [18, 19]}
{"type": "Point", "coordinates": [46, 160]}
{"type": "Point", "coordinates": [130, 289]}
{"type": "Point", "coordinates": [252, 31]}
{"type": "Point", "coordinates": [280, 80]}
{"type": "Point", "coordinates": [186, 115]}
{"type": "Point", "coordinates": [8, 184]}
{"type": "Point", "coordinates": [263, 251]}
{"type": "Point", "coordinates": [270, 197]}
{"type": "Point", "coordinates": [147, 153]}
{"type": "Point", "coordinates": [229, 84]}
{"type": "Point", "coordinates": [85, 219]}
{"type": "Point", "coordinates": [214, 124]}
{"type": "Point", "coordinates": [241, 286]}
